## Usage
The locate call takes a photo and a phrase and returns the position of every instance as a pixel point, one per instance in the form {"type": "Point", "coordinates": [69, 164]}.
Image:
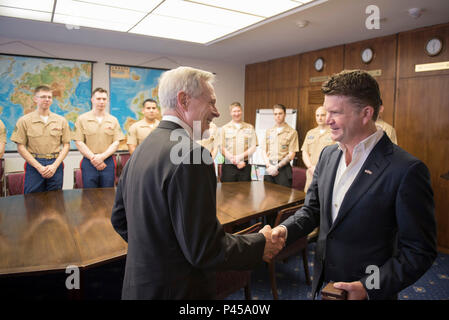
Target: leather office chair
{"type": "Point", "coordinates": [14, 182]}
{"type": "Point", "coordinates": [231, 281]}
{"type": "Point", "coordinates": [124, 157]}
{"type": "Point", "coordinates": [298, 178]}
{"type": "Point", "coordinates": [77, 179]}
{"type": "Point", "coordinates": [299, 245]}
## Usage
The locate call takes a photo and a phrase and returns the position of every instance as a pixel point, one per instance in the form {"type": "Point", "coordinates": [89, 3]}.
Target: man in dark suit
{"type": "Point", "coordinates": [165, 205]}
{"type": "Point", "coordinates": [372, 200]}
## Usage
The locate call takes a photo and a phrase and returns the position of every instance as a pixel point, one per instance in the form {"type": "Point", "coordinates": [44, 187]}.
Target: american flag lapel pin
{"type": "Point", "coordinates": [368, 171]}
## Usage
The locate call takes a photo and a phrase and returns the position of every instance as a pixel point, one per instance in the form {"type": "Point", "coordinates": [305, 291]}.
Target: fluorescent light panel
{"type": "Point", "coordinates": [41, 5]}
{"type": "Point", "coordinates": [201, 21]}
{"type": "Point", "coordinates": [178, 29]}
{"type": "Point", "coordinates": [136, 5]}
{"type": "Point", "coordinates": [25, 14]}
{"type": "Point", "coordinates": [264, 8]}
{"type": "Point", "coordinates": [27, 9]}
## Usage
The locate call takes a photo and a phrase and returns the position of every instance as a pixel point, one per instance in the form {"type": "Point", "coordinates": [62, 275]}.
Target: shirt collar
{"type": "Point", "coordinates": [366, 144]}
{"type": "Point", "coordinates": [37, 118]}
{"type": "Point", "coordinates": [176, 120]}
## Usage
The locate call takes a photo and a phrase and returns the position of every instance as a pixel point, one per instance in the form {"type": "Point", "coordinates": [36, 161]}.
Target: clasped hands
{"type": "Point", "coordinates": [47, 171]}
{"type": "Point", "coordinates": [272, 170]}
{"type": "Point", "coordinates": [274, 242]}
{"type": "Point", "coordinates": [98, 162]}
{"type": "Point", "coordinates": [238, 161]}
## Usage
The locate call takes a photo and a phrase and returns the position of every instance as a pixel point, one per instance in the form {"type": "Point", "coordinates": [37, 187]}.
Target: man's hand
{"type": "Point", "coordinates": [279, 234]}
{"type": "Point", "coordinates": [355, 289]}
{"type": "Point", "coordinates": [272, 248]}
{"type": "Point", "coordinates": [49, 171]}
{"type": "Point", "coordinates": [96, 160]}
{"type": "Point", "coordinates": [241, 165]}
{"type": "Point", "coordinates": [272, 171]}
{"type": "Point", "coordinates": [101, 166]}
{"type": "Point", "coordinates": [311, 169]}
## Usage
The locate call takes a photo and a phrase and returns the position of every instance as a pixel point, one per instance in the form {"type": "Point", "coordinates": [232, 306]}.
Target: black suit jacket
{"type": "Point", "coordinates": [165, 208]}
{"type": "Point", "coordinates": [386, 219]}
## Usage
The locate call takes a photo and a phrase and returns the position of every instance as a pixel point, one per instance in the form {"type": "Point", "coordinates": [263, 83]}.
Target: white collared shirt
{"type": "Point", "coordinates": [346, 174]}
{"type": "Point", "coordinates": [176, 120]}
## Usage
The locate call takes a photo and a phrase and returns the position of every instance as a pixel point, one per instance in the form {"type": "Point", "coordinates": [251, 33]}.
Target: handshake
{"type": "Point", "coordinates": [274, 241]}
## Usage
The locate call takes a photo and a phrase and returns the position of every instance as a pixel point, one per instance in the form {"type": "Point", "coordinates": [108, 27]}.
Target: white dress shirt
{"type": "Point", "coordinates": [346, 174]}
{"type": "Point", "coordinates": [176, 120]}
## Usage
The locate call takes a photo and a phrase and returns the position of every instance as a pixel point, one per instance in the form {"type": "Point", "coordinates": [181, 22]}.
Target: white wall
{"type": "Point", "coordinates": [229, 86]}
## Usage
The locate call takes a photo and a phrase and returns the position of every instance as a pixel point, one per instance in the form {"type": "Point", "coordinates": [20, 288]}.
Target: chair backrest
{"type": "Point", "coordinates": [2, 176]}
{"type": "Point", "coordinates": [77, 179]}
{"type": "Point", "coordinates": [14, 182]}
{"type": "Point", "coordinates": [252, 229]}
{"type": "Point", "coordinates": [124, 157]}
{"type": "Point", "coordinates": [285, 213]}
{"type": "Point", "coordinates": [298, 178]}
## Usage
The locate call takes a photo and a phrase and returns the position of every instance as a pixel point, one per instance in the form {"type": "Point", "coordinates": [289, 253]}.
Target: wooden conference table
{"type": "Point", "coordinates": [49, 231]}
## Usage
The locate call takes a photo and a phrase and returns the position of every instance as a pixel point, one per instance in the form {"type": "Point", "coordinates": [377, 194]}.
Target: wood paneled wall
{"type": "Point", "coordinates": [416, 103]}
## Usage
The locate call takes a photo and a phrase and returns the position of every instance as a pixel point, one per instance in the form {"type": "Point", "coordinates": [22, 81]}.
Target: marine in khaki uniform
{"type": "Point", "coordinates": [316, 139]}
{"type": "Point", "coordinates": [211, 143]}
{"type": "Point", "coordinates": [141, 129]}
{"type": "Point", "coordinates": [2, 138]}
{"type": "Point", "coordinates": [279, 148]}
{"type": "Point", "coordinates": [39, 136]}
{"type": "Point", "coordinates": [389, 130]}
{"type": "Point", "coordinates": [238, 142]}
{"type": "Point", "coordinates": [97, 137]}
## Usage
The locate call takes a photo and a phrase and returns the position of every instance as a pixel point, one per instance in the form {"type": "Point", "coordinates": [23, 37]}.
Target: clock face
{"type": "Point", "coordinates": [367, 55]}
{"type": "Point", "coordinates": [434, 46]}
{"type": "Point", "coordinates": [319, 64]}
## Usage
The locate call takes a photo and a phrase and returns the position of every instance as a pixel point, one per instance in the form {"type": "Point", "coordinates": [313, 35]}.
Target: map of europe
{"type": "Point", "coordinates": [130, 87]}
{"type": "Point", "coordinates": [70, 81]}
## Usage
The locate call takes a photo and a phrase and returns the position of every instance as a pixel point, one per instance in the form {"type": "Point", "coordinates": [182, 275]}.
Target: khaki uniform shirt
{"type": "Point", "coordinates": [97, 136]}
{"type": "Point", "coordinates": [39, 137]}
{"type": "Point", "coordinates": [140, 130]}
{"type": "Point", "coordinates": [2, 132]}
{"type": "Point", "coordinates": [389, 130]}
{"type": "Point", "coordinates": [313, 144]}
{"type": "Point", "coordinates": [237, 141]}
{"type": "Point", "coordinates": [211, 142]}
{"type": "Point", "coordinates": [279, 145]}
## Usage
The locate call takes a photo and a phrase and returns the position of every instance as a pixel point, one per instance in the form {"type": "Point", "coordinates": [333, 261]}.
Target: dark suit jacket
{"type": "Point", "coordinates": [386, 219]}
{"type": "Point", "coordinates": [165, 208]}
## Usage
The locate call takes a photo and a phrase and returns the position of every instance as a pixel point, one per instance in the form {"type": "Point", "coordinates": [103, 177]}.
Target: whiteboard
{"type": "Point", "coordinates": [265, 121]}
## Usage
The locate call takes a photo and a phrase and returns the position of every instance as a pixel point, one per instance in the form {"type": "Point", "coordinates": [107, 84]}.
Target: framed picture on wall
{"type": "Point", "coordinates": [130, 86]}
{"type": "Point", "coordinates": [70, 81]}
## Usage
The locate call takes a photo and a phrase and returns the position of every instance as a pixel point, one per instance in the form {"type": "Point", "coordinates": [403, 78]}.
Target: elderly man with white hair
{"type": "Point", "coordinates": [165, 205]}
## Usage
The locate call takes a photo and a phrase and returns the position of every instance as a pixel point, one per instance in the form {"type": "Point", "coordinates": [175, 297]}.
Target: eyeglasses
{"type": "Point", "coordinates": [45, 97]}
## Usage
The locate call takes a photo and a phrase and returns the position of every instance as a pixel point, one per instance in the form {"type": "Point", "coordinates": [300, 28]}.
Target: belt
{"type": "Point", "coordinates": [46, 155]}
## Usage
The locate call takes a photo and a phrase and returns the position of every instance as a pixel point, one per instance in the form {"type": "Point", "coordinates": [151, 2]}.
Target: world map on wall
{"type": "Point", "coordinates": [70, 81]}
{"type": "Point", "coordinates": [130, 87]}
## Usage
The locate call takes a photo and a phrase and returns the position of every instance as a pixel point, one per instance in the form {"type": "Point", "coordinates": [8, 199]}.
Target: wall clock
{"type": "Point", "coordinates": [319, 64]}
{"type": "Point", "coordinates": [434, 46]}
{"type": "Point", "coordinates": [367, 55]}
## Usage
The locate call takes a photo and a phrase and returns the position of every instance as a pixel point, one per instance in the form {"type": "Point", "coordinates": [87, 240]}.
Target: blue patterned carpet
{"type": "Point", "coordinates": [434, 285]}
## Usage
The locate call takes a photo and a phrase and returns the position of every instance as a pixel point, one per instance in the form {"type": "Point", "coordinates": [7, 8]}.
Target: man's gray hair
{"type": "Point", "coordinates": [185, 79]}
